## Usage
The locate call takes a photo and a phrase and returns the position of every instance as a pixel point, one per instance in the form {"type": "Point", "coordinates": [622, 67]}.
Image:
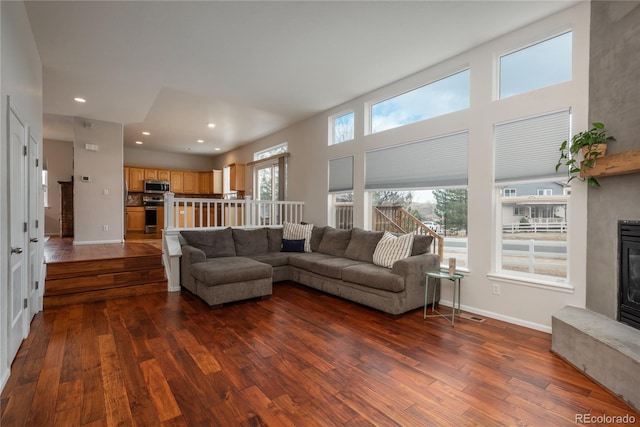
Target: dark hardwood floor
{"type": "Point", "coordinates": [300, 358]}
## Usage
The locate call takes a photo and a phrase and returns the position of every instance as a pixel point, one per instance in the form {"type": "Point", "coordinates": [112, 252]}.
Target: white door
{"type": "Point", "coordinates": [17, 317]}
{"type": "Point", "coordinates": [35, 180]}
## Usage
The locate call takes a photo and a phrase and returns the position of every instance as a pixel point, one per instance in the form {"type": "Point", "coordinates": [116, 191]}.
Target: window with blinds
{"type": "Point", "coordinates": [341, 175]}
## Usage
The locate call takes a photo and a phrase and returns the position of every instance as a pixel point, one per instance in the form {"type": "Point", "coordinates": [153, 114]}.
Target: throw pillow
{"type": "Point", "coordinates": [391, 248]}
{"type": "Point", "coordinates": [292, 245]}
{"type": "Point", "coordinates": [291, 231]}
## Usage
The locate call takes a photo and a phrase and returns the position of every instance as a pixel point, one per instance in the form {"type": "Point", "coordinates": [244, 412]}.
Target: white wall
{"type": "Point", "coordinates": [523, 302]}
{"type": "Point", "coordinates": [21, 79]}
{"type": "Point", "coordinates": [157, 159]}
{"type": "Point", "coordinates": [58, 158]}
{"type": "Point", "coordinates": [99, 202]}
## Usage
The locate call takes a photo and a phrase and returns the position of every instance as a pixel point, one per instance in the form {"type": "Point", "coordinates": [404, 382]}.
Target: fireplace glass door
{"type": "Point", "coordinates": [629, 290]}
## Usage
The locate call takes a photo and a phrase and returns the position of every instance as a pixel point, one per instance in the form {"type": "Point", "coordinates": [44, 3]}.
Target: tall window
{"type": "Point", "coordinates": [406, 195]}
{"type": "Point", "coordinates": [342, 128]}
{"type": "Point", "coordinates": [435, 99]}
{"type": "Point", "coordinates": [532, 231]}
{"type": "Point", "coordinates": [341, 190]}
{"type": "Point", "coordinates": [534, 67]}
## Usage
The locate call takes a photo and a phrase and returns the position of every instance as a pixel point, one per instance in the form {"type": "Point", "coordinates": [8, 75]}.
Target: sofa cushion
{"type": "Point", "coordinates": [362, 244]}
{"type": "Point", "coordinates": [421, 244]}
{"type": "Point", "coordinates": [316, 238]}
{"type": "Point", "coordinates": [374, 276]}
{"type": "Point", "coordinates": [214, 243]}
{"type": "Point", "coordinates": [332, 267]}
{"type": "Point", "coordinates": [225, 270]}
{"type": "Point", "coordinates": [250, 242]}
{"type": "Point", "coordinates": [291, 231]}
{"type": "Point", "coordinates": [274, 238]}
{"type": "Point", "coordinates": [305, 260]}
{"type": "Point", "coordinates": [292, 245]}
{"type": "Point", "coordinates": [334, 242]}
{"type": "Point", "coordinates": [392, 248]}
{"type": "Point", "coordinates": [275, 259]}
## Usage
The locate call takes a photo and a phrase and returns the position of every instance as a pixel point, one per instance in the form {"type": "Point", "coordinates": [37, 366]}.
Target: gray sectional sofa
{"type": "Point", "coordinates": [226, 265]}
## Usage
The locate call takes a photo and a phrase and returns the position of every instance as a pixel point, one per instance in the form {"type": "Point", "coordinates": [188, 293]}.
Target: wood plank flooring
{"type": "Point", "coordinates": [300, 358]}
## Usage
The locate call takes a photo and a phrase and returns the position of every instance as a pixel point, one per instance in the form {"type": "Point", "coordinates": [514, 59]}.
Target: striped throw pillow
{"type": "Point", "coordinates": [391, 248]}
{"type": "Point", "coordinates": [291, 231]}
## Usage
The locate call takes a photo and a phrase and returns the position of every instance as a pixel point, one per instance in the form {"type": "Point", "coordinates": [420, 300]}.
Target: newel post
{"type": "Point", "coordinates": [168, 210]}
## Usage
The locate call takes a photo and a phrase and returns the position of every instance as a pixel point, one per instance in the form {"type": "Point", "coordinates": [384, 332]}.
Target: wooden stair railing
{"type": "Point", "coordinates": [399, 220]}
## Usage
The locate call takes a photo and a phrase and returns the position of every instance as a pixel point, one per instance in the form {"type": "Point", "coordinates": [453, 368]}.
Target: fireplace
{"type": "Point", "coordinates": [629, 269]}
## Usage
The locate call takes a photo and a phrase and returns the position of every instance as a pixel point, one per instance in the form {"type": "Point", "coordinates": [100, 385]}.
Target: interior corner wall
{"type": "Point", "coordinates": [98, 202]}
{"type": "Point", "coordinates": [58, 158]}
{"type": "Point", "coordinates": [21, 79]}
{"type": "Point", "coordinates": [614, 99]}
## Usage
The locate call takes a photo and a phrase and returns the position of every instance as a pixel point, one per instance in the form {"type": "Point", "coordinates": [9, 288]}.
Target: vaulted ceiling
{"type": "Point", "coordinates": [249, 67]}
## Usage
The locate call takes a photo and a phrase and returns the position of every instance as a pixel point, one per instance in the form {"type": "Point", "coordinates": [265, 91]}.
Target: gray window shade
{"type": "Point", "coordinates": [528, 148]}
{"type": "Point", "coordinates": [436, 162]}
{"type": "Point", "coordinates": [341, 174]}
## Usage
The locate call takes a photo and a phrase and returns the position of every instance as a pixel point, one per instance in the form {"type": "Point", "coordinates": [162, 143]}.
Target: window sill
{"type": "Point", "coordinates": [550, 285]}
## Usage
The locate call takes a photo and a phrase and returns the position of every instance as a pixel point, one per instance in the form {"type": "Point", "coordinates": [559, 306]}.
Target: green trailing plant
{"type": "Point", "coordinates": [587, 142]}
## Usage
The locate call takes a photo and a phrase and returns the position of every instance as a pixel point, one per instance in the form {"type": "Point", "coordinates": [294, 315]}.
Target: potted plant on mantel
{"type": "Point", "coordinates": [592, 144]}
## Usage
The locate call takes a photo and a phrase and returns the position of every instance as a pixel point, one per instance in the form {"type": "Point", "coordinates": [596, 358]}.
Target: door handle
{"type": "Point", "coordinates": [16, 250]}
{"type": "Point", "coordinates": [34, 240]}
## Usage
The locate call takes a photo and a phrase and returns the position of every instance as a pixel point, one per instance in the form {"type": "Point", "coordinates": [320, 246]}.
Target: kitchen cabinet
{"type": "Point", "coordinates": [135, 218]}
{"type": "Point", "coordinates": [189, 182]}
{"type": "Point", "coordinates": [236, 176]}
{"type": "Point", "coordinates": [210, 182]}
{"type": "Point", "coordinates": [160, 220]}
{"type": "Point", "coordinates": [136, 179]}
{"type": "Point", "coordinates": [177, 179]}
{"type": "Point", "coordinates": [151, 174]}
{"type": "Point", "coordinates": [164, 175]}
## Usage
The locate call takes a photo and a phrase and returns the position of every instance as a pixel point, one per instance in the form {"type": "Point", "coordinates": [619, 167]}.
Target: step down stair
{"type": "Point", "coordinates": [72, 282]}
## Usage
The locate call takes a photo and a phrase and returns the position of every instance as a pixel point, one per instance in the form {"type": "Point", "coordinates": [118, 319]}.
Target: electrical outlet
{"type": "Point", "coordinates": [495, 289]}
{"type": "Point", "coordinates": [105, 227]}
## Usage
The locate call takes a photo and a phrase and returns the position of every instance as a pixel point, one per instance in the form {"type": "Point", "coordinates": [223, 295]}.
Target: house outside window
{"type": "Point", "coordinates": [441, 97]}
{"type": "Point", "coordinates": [543, 64]}
{"type": "Point", "coordinates": [532, 226]}
{"type": "Point", "coordinates": [510, 192]}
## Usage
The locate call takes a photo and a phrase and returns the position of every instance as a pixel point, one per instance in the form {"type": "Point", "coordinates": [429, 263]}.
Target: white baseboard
{"type": "Point", "coordinates": [502, 317]}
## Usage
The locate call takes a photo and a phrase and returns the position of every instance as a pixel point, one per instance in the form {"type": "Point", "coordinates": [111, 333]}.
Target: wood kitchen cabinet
{"type": "Point", "coordinates": [189, 182]}
{"type": "Point", "coordinates": [164, 175]}
{"type": "Point", "coordinates": [151, 174]}
{"type": "Point", "coordinates": [135, 218]}
{"type": "Point", "coordinates": [177, 179]}
{"type": "Point", "coordinates": [136, 179]}
{"type": "Point", "coordinates": [160, 220]}
{"type": "Point", "coordinates": [210, 182]}
{"type": "Point", "coordinates": [236, 176]}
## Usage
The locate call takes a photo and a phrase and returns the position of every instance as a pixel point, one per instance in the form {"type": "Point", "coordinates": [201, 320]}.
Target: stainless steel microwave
{"type": "Point", "coordinates": [151, 186]}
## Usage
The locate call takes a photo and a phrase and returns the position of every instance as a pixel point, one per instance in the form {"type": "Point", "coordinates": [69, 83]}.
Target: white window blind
{"type": "Point", "coordinates": [528, 148]}
{"type": "Point", "coordinates": [341, 174]}
{"type": "Point", "coordinates": [436, 162]}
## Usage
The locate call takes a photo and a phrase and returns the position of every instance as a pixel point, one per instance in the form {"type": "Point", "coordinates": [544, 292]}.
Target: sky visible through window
{"type": "Point", "coordinates": [435, 99]}
{"type": "Point", "coordinates": [543, 64]}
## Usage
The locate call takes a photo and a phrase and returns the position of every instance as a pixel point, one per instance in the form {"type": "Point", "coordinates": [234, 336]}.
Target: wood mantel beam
{"type": "Point", "coordinates": [615, 164]}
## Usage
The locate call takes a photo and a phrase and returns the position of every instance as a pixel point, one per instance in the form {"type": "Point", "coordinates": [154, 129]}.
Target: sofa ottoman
{"type": "Point", "coordinates": [228, 279]}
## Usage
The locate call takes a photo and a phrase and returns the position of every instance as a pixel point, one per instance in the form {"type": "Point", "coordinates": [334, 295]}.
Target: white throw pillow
{"type": "Point", "coordinates": [391, 248]}
{"type": "Point", "coordinates": [291, 231]}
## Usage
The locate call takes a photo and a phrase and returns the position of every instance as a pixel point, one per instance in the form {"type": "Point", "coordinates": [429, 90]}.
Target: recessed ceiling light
{"type": "Point", "coordinates": [146, 133]}
{"type": "Point", "coordinates": [139, 142]}
{"type": "Point", "coordinates": [211, 125]}
{"type": "Point", "coordinates": [200, 141]}
{"type": "Point", "coordinates": [80, 100]}
{"type": "Point", "coordinates": [217, 149]}
{"type": "Point", "coordinates": [188, 148]}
